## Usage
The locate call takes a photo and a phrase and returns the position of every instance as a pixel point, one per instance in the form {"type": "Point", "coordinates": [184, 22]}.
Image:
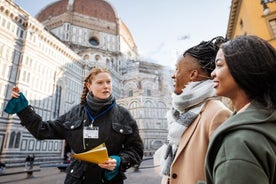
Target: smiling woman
{"type": "Point", "coordinates": [224, 82]}
{"type": "Point", "coordinates": [247, 140]}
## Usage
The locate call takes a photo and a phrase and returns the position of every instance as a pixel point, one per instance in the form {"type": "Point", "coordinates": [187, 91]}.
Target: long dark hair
{"type": "Point", "coordinates": [252, 63]}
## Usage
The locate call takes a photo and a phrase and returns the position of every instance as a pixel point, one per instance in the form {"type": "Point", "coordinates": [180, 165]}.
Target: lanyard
{"type": "Point", "coordinates": [93, 118]}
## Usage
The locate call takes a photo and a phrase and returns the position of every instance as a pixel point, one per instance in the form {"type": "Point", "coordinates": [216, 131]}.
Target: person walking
{"type": "Point", "coordinates": [32, 158]}
{"type": "Point", "coordinates": [242, 150]}
{"type": "Point", "coordinates": [96, 120]}
{"type": "Point", "coordinates": [196, 112]}
{"type": "Point", "coordinates": [2, 167]}
{"type": "Point", "coordinates": [27, 162]}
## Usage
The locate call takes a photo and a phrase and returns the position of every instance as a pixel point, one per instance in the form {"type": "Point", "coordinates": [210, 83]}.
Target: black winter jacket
{"type": "Point", "coordinates": [117, 129]}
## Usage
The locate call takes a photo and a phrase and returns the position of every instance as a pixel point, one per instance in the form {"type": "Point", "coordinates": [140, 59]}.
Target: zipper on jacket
{"type": "Point", "coordinates": [83, 140]}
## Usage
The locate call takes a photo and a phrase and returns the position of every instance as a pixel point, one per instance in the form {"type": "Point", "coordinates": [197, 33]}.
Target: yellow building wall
{"type": "Point", "coordinates": [249, 20]}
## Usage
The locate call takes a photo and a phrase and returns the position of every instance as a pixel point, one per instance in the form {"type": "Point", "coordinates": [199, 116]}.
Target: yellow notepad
{"type": "Point", "coordinates": [96, 155]}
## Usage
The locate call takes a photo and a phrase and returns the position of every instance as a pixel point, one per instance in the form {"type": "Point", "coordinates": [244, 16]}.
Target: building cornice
{"type": "Point", "coordinates": [233, 16]}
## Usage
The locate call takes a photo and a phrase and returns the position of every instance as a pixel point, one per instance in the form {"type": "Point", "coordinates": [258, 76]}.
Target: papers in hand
{"type": "Point", "coordinates": [96, 155]}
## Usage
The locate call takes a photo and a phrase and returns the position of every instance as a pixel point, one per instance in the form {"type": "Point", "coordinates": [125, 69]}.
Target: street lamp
{"type": "Point", "coordinates": [265, 7]}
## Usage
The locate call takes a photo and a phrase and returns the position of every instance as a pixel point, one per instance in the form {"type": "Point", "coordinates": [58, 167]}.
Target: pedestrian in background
{"type": "Point", "coordinates": [2, 167]}
{"type": "Point", "coordinates": [196, 112]}
{"type": "Point", "coordinates": [242, 150]}
{"type": "Point", "coordinates": [27, 162]}
{"type": "Point", "coordinates": [32, 158]}
{"type": "Point", "coordinates": [96, 120]}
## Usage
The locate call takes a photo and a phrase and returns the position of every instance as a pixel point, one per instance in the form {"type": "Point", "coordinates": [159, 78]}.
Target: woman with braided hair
{"type": "Point", "coordinates": [96, 120]}
{"type": "Point", "coordinates": [196, 112]}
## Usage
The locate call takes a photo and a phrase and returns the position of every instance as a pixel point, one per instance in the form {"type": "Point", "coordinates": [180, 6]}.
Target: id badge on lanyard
{"type": "Point", "coordinates": [91, 132]}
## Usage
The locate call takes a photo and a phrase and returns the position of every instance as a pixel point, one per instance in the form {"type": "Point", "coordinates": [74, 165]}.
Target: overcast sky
{"type": "Point", "coordinates": [163, 29]}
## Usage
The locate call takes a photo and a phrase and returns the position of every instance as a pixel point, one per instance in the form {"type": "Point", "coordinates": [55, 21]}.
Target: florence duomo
{"type": "Point", "coordinates": [48, 56]}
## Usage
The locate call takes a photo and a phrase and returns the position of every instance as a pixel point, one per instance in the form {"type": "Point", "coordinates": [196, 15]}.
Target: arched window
{"type": "Point", "coordinates": [133, 107]}
{"type": "Point", "coordinates": [17, 140]}
{"type": "Point", "coordinates": [86, 57]}
{"type": "Point", "coordinates": [57, 101]}
{"type": "Point", "coordinates": [130, 93]}
{"type": "Point", "coordinates": [149, 110]}
{"type": "Point", "coordinates": [12, 137]}
{"type": "Point", "coordinates": [97, 57]}
{"type": "Point", "coordinates": [148, 92]}
{"type": "Point", "coordinates": [162, 110]}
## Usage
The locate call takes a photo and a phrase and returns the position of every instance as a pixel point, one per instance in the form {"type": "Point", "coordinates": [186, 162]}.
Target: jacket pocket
{"type": "Point", "coordinates": [74, 135]}
{"type": "Point", "coordinates": [122, 129]}
{"type": "Point", "coordinates": [72, 125]}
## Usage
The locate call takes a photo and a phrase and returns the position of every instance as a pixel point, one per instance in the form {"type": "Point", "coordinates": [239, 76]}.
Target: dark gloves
{"type": "Point", "coordinates": [16, 105]}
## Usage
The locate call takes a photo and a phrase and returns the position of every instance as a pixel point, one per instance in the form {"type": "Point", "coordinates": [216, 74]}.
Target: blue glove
{"type": "Point", "coordinates": [109, 175]}
{"type": "Point", "coordinates": [16, 105]}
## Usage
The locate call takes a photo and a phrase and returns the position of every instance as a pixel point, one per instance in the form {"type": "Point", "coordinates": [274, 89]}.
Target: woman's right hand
{"type": "Point", "coordinates": [15, 92]}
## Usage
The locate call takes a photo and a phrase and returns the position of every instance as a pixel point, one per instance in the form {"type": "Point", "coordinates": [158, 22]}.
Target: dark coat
{"type": "Point", "coordinates": [242, 150]}
{"type": "Point", "coordinates": [117, 129]}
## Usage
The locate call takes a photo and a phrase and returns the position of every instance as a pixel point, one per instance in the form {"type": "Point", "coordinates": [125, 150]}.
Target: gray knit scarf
{"type": "Point", "coordinates": [185, 108]}
{"type": "Point", "coordinates": [98, 105]}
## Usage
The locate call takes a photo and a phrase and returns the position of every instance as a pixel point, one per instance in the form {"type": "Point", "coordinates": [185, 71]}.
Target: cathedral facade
{"type": "Point", "coordinates": [49, 55]}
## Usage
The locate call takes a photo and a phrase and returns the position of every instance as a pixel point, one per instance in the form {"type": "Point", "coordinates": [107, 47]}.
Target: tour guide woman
{"type": "Point", "coordinates": [102, 120]}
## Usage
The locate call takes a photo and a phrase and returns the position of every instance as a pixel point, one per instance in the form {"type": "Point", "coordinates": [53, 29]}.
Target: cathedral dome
{"type": "Point", "coordinates": [88, 24]}
{"type": "Point", "coordinates": [99, 9]}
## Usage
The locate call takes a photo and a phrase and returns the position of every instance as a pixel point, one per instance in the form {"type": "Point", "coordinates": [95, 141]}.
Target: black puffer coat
{"type": "Point", "coordinates": [117, 129]}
